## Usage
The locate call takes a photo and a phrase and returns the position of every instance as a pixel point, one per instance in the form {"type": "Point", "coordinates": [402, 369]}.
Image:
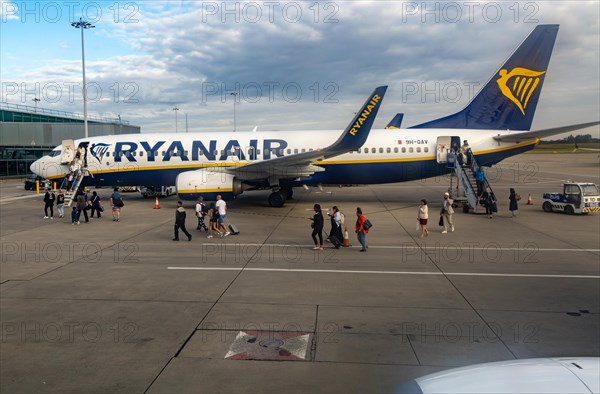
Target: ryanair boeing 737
{"type": "Point", "coordinates": [496, 123]}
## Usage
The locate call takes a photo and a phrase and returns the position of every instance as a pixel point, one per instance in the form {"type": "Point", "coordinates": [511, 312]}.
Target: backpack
{"type": "Point", "coordinates": [203, 209]}
{"type": "Point", "coordinates": [367, 224]}
{"type": "Point", "coordinates": [517, 197]}
{"type": "Point", "coordinates": [342, 218]}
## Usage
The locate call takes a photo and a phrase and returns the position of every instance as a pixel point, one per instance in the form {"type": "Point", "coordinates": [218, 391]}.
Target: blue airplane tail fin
{"type": "Point", "coordinates": [509, 99]}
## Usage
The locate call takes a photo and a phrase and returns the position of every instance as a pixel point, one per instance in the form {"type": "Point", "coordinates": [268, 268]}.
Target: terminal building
{"type": "Point", "coordinates": [28, 133]}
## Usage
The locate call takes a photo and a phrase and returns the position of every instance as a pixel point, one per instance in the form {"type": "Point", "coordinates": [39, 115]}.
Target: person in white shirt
{"type": "Point", "coordinates": [422, 218]}
{"type": "Point", "coordinates": [447, 212]}
{"type": "Point", "coordinates": [221, 206]}
{"type": "Point", "coordinates": [200, 213]}
{"type": "Point", "coordinates": [336, 224]}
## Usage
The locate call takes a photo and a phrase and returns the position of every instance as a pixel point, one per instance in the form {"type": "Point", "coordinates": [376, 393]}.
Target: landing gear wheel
{"type": "Point", "coordinates": [569, 210]}
{"type": "Point", "coordinates": [466, 208]}
{"type": "Point", "coordinates": [276, 199]}
{"type": "Point", "coordinates": [547, 207]}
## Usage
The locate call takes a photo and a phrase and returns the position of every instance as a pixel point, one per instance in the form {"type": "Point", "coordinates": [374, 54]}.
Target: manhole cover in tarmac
{"type": "Point", "coordinates": [269, 345]}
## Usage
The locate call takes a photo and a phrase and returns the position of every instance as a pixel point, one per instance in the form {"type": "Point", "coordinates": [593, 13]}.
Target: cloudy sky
{"type": "Point", "coordinates": [294, 65]}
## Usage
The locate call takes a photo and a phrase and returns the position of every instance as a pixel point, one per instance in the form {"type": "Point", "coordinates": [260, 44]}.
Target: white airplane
{"type": "Point", "coordinates": [496, 123]}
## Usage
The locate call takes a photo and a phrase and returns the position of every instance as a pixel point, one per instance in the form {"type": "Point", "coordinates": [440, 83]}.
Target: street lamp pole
{"type": "Point", "coordinates": [83, 25]}
{"type": "Point", "coordinates": [234, 94]}
{"type": "Point", "coordinates": [176, 109]}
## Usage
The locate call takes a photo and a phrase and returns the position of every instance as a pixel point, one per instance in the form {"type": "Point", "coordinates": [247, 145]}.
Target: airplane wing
{"type": "Point", "coordinates": [528, 135]}
{"type": "Point", "coordinates": [300, 164]}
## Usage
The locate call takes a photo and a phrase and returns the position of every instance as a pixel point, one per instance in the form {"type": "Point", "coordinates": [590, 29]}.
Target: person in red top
{"type": "Point", "coordinates": [361, 232]}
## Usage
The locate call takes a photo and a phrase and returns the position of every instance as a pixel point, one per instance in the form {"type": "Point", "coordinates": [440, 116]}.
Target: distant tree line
{"type": "Point", "coordinates": [578, 139]}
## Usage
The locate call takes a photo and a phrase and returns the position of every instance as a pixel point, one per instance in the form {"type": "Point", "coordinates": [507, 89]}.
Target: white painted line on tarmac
{"type": "Point", "coordinates": [450, 245]}
{"type": "Point", "coordinates": [384, 272]}
{"type": "Point", "coordinates": [10, 199]}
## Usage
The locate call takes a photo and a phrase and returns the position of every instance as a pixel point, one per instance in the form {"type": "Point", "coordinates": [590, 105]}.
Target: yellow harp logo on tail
{"type": "Point", "coordinates": [520, 90]}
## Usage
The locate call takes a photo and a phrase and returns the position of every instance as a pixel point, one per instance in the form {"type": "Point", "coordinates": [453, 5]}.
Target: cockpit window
{"type": "Point", "coordinates": [54, 153]}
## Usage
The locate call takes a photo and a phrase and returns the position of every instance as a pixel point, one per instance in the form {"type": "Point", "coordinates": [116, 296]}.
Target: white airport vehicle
{"type": "Point", "coordinates": [580, 198]}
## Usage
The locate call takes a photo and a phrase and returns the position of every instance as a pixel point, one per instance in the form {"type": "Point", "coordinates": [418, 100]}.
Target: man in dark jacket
{"type": "Point", "coordinates": [81, 204]}
{"type": "Point", "coordinates": [49, 203]}
{"type": "Point", "coordinates": [180, 222]}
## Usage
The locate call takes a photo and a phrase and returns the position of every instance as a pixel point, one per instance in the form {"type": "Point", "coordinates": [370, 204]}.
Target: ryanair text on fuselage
{"type": "Point", "coordinates": [192, 151]}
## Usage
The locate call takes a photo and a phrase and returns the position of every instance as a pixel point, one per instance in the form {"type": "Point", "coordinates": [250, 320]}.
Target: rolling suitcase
{"type": "Point", "coordinates": [335, 241]}
{"type": "Point", "coordinates": [234, 229]}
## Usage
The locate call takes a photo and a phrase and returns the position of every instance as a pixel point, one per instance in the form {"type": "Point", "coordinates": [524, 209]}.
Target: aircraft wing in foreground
{"type": "Point", "coordinates": [527, 135]}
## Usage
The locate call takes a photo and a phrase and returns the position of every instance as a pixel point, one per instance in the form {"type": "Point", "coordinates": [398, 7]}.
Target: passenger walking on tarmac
{"type": "Point", "coordinates": [361, 231]}
{"type": "Point", "coordinates": [82, 204]}
{"type": "Point", "coordinates": [201, 211]}
{"type": "Point", "coordinates": [487, 200]}
{"type": "Point", "coordinates": [221, 206]}
{"type": "Point", "coordinates": [336, 224]}
{"type": "Point", "coordinates": [213, 217]}
{"type": "Point", "coordinates": [95, 200]}
{"type": "Point", "coordinates": [74, 219]}
{"type": "Point", "coordinates": [317, 226]}
{"type": "Point", "coordinates": [513, 204]}
{"type": "Point", "coordinates": [447, 212]}
{"type": "Point", "coordinates": [60, 204]}
{"type": "Point", "coordinates": [180, 222]}
{"type": "Point", "coordinates": [422, 218]}
{"type": "Point", "coordinates": [116, 203]}
{"type": "Point", "coordinates": [49, 198]}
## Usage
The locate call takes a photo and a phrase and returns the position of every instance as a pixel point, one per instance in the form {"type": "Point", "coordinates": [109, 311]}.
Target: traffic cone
{"type": "Point", "coordinates": [529, 202]}
{"type": "Point", "coordinates": [156, 206]}
{"type": "Point", "coordinates": [346, 242]}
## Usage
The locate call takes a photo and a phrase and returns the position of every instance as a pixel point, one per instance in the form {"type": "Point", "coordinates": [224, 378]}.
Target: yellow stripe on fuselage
{"type": "Point", "coordinates": [320, 162]}
{"type": "Point", "coordinates": [195, 191]}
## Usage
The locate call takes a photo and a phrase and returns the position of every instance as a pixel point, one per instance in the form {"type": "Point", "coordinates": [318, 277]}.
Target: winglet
{"type": "Point", "coordinates": [355, 135]}
{"type": "Point", "coordinates": [396, 122]}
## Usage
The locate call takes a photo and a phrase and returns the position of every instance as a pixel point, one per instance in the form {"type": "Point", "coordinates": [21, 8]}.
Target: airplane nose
{"type": "Point", "coordinates": [36, 167]}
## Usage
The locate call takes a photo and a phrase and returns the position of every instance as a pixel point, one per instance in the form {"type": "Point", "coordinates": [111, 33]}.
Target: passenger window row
{"type": "Point", "coordinates": [288, 151]}
{"type": "Point", "coordinates": [396, 150]}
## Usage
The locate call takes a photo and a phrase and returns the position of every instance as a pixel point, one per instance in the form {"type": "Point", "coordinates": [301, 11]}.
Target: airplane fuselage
{"type": "Point", "coordinates": [387, 156]}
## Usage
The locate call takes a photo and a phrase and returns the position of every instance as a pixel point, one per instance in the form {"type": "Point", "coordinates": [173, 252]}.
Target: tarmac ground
{"type": "Point", "coordinates": [119, 307]}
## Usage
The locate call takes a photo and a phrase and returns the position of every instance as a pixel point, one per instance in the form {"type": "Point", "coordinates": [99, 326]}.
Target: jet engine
{"type": "Point", "coordinates": [207, 183]}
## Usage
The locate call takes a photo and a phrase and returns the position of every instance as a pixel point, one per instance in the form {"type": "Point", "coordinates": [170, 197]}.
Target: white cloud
{"type": "Point", "coordinates": [176, 56]}
{"type": "Point", "coordinates": [9, 11]}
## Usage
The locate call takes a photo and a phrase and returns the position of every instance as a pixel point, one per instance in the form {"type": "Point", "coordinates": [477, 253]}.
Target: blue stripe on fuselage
{"type": "Point", "coordinates": [350, 173]}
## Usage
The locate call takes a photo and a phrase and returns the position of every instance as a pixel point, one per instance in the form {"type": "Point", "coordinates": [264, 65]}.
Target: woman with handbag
{"type": "Point", "coordinates": [317, 226]}
{"type": "Point", "coordinates": [513, 205]}
{"type": "Point", "coordinates": [422, 217]}
{"type": "Point", "coordinates": [95, 205]}
{"type": "Point", "coordinates": [116, 201]}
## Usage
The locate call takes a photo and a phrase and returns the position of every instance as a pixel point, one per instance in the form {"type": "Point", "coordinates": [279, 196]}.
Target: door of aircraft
{"type": "Point", "coordinates": [68, 151]}
{"type": "Point", "coordinates": [446, 149]}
